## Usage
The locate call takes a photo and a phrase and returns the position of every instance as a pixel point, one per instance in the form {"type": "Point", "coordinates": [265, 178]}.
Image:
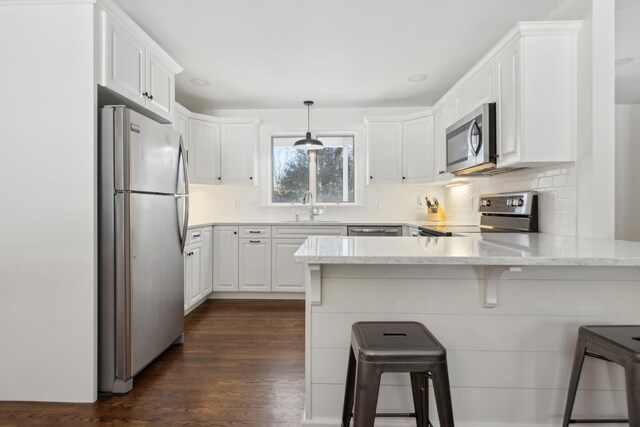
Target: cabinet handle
{"type": "Point", "coordinates": [254, 232]}
{"type": "Point", "coordinates": [190, 253]}
{"type": "Point", "coordinates": [145, 94]}
{"type": "Point", "coordinates": [441, 173]}
{"type": "Point", "coordinates": [195, 235]}
{"type": "Point", "coordinates": [235, 232]}
{"type": "Point", "coordinates": [254, 241]}
{"type": "Point", "coordinates": [219, 178]}
{"type": "Point", "coordinates": [150, 96]}
{"type": "Point", "coordinates": [404, 177]}
{"type": "Point", "coordinates": [370, 177]}
{"type": "Point", "coordinates": [250, 177]}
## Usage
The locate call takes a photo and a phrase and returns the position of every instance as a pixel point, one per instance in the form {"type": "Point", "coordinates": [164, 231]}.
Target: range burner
{"type": "Point", "coordinates": [501, 213]}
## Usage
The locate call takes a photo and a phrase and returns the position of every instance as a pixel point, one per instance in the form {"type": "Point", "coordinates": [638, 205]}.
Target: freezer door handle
{"type": "Point", "coordinates": [185, 198]}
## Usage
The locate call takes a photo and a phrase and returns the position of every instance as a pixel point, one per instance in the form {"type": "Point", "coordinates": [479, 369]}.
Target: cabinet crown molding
{"type": "Point", "coordinates": [114, 11]}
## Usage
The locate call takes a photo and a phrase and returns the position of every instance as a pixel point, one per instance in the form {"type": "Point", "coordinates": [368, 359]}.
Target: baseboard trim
{"type": "Point", "coordinates": [257, 295]}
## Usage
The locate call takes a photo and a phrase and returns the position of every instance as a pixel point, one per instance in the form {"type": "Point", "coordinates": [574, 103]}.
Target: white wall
{"type": "Point", "coordinates": [48, 215]}
{"type": "Point", "coordinates": [627, 172]}
{"type": "Point", "coordinates": [211, 203]}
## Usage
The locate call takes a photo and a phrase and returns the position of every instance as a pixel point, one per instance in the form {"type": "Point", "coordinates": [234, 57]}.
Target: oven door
{"type": "Point", "coordinates": [469, 139]}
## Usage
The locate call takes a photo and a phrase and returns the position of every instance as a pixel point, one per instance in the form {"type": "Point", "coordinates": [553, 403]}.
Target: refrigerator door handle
{"type": "Point", "coordinates": [185, 220]}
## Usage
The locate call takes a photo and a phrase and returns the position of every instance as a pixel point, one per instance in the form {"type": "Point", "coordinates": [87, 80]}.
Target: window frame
{"type": "Point", "coordinates": [354, 131]}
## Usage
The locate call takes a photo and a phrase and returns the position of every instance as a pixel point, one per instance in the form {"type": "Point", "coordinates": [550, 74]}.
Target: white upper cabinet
{"type": "Point", "coordinates": [479, 89]}
{"type": "Point", "coordinates": [417, 150]}
{"type": "Point", "coordinates": [384, 152]}
{"type": "Point", "coordinates": [507, 140]}
{"type": "Point", "coordinates": [181, 124]}
{"type": "Point", "coordinates": [204, 152]}
{"type": "Point", "coordinates": [238, 153]}
{"type": "Point", "coordinates": [124, 67]}
{"type": "Point", "coordinates": [440, 145]}
{"type": "Point", "coordinates": [160, 86]}
{"type": "Point", "coordinates": [134, 66]}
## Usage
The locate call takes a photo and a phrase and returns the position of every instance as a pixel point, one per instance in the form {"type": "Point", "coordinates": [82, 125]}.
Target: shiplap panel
{"type": "Point", "coordinates": [470, 332]}
{"type": "Point", "coordinates": [544, 297]}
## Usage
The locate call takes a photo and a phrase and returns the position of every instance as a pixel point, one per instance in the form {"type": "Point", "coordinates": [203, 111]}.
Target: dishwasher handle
{"type": "Point", "coordinates": [369, 230]}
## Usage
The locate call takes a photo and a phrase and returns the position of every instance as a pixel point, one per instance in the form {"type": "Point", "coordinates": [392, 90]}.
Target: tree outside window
{"type": "Point", "coordinates": [328, 173]}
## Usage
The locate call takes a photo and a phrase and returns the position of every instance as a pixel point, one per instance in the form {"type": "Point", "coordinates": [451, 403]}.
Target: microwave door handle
{"type": "Point", "coordinates": [470, 136]}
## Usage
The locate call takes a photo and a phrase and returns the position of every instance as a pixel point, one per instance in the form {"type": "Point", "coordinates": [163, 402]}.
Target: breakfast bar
{"type": "Point", "coordinates": [506, 306]}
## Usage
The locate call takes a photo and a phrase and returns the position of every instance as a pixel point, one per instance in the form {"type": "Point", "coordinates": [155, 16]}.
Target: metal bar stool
{"type": "Point", "coordinates": [617, 344]}
{"type": "Point", "coordinates": [378, 347]}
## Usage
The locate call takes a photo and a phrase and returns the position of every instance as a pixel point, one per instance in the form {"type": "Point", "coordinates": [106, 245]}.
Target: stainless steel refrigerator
{"type": "Point", "coordinates": [143, 213]}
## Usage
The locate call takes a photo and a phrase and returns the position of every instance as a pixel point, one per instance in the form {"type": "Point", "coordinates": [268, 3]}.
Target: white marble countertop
{"type": "Point", "coordinates": [409, 223]}
{"type": "Point", "coordinates": [513, 249]}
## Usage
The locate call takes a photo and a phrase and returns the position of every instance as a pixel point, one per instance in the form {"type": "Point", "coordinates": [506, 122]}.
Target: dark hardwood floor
{"type": "Point", "coordinates": [242, 364]}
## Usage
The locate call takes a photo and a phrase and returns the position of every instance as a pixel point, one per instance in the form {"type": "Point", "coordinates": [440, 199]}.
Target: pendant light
{"type": "Point", "coordinates": [308, 143]}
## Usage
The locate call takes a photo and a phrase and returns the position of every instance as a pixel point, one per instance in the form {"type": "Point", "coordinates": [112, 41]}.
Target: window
{"type": "Point", "coordinates": [328, 173]}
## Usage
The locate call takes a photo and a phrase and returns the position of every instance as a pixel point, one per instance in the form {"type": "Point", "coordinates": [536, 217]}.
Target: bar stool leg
{"type": "Point", "coordinates": [440, 378]}
{"type": "Point", "coordinates": [420, 389]}
{"type": "Point", "coordinates": [632, 375]}
{"type": "Point", "coordinates": [578, 361]}
{"type": "Point", "coordinates": [367, 389]}
{"type": "Point", "coordinates": [349, 390]}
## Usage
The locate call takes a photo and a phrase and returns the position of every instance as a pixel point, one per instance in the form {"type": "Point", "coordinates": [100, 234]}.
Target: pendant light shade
{"type": "Point", "coordinates": [308, 143]}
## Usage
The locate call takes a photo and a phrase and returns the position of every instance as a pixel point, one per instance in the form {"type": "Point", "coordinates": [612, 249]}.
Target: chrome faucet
{"type": "Point", "coordinates": [307, 197]}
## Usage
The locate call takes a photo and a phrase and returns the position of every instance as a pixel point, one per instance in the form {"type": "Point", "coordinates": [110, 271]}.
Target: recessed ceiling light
{"type": "Point", "coordinates": [417, 78]}
{"type": "Point", "coordinates": [200, 82]}
{"type": "Point", "coordinates": [623, 61]}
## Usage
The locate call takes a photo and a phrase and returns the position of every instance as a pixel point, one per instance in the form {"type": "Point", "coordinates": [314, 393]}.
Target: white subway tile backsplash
{"type": "Point", "coordinates": [556, 187]}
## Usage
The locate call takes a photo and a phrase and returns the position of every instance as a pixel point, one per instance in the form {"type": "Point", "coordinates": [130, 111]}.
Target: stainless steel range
{"type": "Point", "coordinates": [501, 213]}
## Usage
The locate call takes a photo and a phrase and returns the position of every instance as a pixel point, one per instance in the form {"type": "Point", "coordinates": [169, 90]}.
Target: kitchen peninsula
{"type": "Point", "coordinates": [506, 306]}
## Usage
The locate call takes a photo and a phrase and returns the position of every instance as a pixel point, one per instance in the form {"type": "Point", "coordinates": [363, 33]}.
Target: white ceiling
{"type": "Point", "coordinates": [628, 46]}
{"type": "Point", "coordinates": [340, 53]}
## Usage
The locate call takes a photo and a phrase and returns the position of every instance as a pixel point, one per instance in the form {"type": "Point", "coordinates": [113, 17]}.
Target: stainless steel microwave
{"type": "Point", "coordinates": [471, 142]}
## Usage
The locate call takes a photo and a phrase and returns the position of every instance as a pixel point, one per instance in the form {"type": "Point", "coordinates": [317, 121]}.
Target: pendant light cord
{"type": "Point", "coordinates": [308, 121]}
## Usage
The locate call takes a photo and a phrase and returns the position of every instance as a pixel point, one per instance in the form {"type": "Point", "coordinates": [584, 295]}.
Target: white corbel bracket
{"type": "Point", "coordinates": [491, 276]}
{"type": "Point", "coordinates": [314, 287]}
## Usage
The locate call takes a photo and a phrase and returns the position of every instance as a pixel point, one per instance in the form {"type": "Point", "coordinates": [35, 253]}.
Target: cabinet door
{"type": "Point", "coordinates": [204, 152]}
{"type": "Point", "coordinates": [478, 90]}
{"type": "Point", "coordinates": [417, 150]}
{"type": "Point", "coordinates": [440, 145]}
{"type": "Point", "coordinates": [160, 86]}
{"type": "Point", "coordinates": [125, 62]}
{"type": "Point", "coordinates": [225, 258]}
{"type": "Point", "coordinates": [384, 152]}
{"type": "Point", "coordinates": [193, 255]}
{"type": "Point", "coordinates": [286, 274]}
{"type": "Point", "coordinates": [181, 124]}
{"type": "Point", "coordinates": [255, 265]}
{"type": "Point", "coordinates": [508, 138]}
{"type": "Point", "coordinates": [237, 153]}
{"type": "Point", "coordinates": [206, 281]}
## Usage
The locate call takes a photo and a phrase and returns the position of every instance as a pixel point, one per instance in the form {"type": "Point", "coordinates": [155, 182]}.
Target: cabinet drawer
{"type": "Point", "coordinates": [249, 232]}
{"type": "Point", "coordinates": [304, 231]}
{"type": "Point", "coordinates": [194, 235]}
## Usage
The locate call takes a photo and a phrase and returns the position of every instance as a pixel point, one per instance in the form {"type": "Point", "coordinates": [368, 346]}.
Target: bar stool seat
{"type": "Point", "coordinates": [614, 343]}
{"type": "Point", "coordinates": [378, 347]}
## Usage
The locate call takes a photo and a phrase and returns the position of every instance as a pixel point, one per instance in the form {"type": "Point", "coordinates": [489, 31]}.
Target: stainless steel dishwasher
{"type": "Point", "coordinates": [374, 230]}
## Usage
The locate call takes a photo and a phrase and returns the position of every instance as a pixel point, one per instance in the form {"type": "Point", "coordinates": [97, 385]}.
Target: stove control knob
{"type": "Point", "coordinates": [509, 202]}
{"type": "Point", "coordinates": [485, 203]}
{"type": "Point", "coordinates": [518, 202]}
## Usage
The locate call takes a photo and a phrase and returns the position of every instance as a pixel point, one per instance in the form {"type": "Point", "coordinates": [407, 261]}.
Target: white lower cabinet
{"type": "Point", "coordinates": [286, 274]}
{"type": "Point", "coordinates": [255, 265]}
{"type": "Point", "coordinates": [198, 263]}
{"type": "Point", "coordinates": [225, 258]}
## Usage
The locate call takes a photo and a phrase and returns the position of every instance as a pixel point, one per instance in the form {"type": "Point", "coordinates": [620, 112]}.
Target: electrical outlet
{"type": "Point", "coordinates": [421, 203]}
{"type": "Point", "coordinates": [236, 204]}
